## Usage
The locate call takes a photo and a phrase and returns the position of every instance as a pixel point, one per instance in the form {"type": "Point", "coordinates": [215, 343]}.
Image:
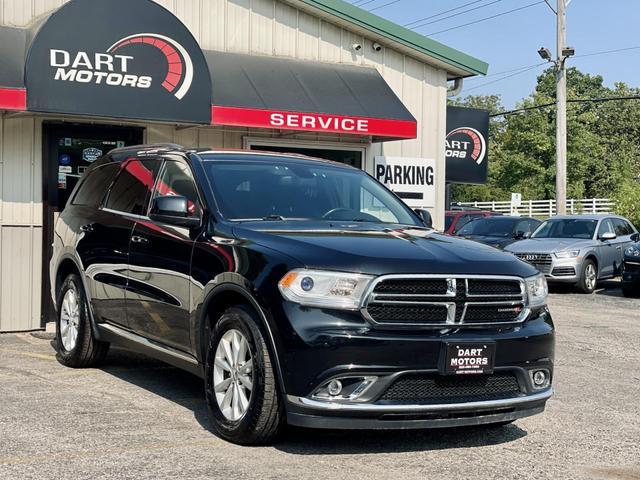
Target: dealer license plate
{"type": "Point", "coordinates": [469, 358]}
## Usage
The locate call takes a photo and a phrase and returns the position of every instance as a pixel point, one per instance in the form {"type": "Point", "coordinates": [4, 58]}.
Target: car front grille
{"type": "Point", "coordinates": [434, 388]}
{"type": "Point", "coordinates": [541, 261]}
{"type": "Point", "coordinates": [445, 301]}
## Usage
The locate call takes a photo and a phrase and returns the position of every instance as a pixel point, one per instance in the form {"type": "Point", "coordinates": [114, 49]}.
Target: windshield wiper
{"type": "Point", "coordinates": [273, 217]}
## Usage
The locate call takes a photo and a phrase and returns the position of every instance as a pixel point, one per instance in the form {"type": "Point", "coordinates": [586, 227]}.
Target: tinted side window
{"type": "Point", "coordinates": [95, 184]}
{"type": "Point", "coordinates": [176, 179]}
{"type": "Point", "coordinates": [131, 191]}
{"type": "Point", "coordinates": [606, 226]}
{"type": "Point", "coordinates": [622, 227]}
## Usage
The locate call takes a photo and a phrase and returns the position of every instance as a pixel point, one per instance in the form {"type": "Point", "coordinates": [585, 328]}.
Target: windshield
{"type": "Point", "coordinates": [566, 228]}
{"type": "Point", "coordinates": [277, 188]}
{"type": "Point", "coordinates": [495, 227]}
{"type": "Point", "coordinates": [448, 220]}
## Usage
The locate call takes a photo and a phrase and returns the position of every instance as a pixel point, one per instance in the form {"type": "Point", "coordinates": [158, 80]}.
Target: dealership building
{"type": "Point", "coordinates": [318, 77]}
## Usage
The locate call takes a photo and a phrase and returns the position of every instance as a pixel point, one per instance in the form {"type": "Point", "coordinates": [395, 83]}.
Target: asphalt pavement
{"type": "Point", "coordinates": [138, 418]}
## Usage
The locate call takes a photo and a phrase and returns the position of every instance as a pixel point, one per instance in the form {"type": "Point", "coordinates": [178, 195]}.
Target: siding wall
{"type": "Point", "coordinates": [261, 27]}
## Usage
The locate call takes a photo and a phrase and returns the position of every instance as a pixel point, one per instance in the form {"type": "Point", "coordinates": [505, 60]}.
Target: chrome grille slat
{"type": "Point", "coordinates": [541, 261]}
{"type": "Point", "coordinates": [483, 300]}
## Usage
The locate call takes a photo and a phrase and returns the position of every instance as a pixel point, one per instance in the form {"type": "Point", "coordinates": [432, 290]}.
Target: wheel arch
{"type": "Point", "coordinates": [594, 258]}
{"type": "Point", "coordinates": [219, 299]}
{"type": "Point", "coordinates": [67, 265]}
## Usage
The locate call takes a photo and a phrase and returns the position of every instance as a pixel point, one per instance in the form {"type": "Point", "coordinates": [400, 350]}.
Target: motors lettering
{"type": "Point", "coordinates": [98, 68]}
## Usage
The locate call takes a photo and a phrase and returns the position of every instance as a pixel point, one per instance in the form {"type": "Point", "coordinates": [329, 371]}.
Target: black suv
{"type": "Point", "coordinates": [302, 291]}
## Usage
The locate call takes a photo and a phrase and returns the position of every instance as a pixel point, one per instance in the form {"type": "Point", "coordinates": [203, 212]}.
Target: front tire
{"type": "Point", "coordinates": [240, 382]}
{"type": "Point", "coordinates": [588, 277]}
{"type": "Point", "coordinates": [76, 345]}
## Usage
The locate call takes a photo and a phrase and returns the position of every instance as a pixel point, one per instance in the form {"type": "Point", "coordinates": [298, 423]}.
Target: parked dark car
{"type": "Point", "coordinates": [499, 231]}
{"type": "Point", "coordinates": [454, 220]}
{"type": "Point", "coordinates": [300, 290]}
{"type": "Point", "coordinates": [631, 268]}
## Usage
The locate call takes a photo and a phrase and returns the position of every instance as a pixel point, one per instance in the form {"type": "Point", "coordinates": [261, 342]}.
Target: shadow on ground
{"type": "Point", "coordinates": [610, 288]}
{"type": "Point", "coordinates": [187, 390]}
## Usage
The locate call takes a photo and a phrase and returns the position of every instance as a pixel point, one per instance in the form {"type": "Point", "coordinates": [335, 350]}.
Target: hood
{"type": "Point", "coordinates": [548, 245]}
{"type": "Point", "coordinates": [493, 241]}
{"type": "Point", "coordinates": [380, 248]}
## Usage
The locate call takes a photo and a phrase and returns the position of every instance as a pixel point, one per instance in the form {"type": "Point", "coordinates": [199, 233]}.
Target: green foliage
{"type": "Point", "coordinates": [603, 142]}
{"type": "Point", "coordinates": [627, 198]}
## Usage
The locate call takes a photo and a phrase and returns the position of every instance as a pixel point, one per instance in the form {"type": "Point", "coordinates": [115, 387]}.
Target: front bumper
{"type": "Point", "coordinates": [326, 345]}
{"type": "Point", "coordinates": [564, 270]}
{"type": "Point", "coordinates": [631, 271]}
{"type": "Point", "coordinates": [317, 414]}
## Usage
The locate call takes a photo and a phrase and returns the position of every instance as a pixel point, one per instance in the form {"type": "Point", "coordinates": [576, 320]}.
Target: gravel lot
{"type": "Point", "coordinates": [137, 418]}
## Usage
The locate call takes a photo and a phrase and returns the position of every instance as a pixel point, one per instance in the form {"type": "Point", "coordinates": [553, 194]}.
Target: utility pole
{"type": "Point", "coordinates": [562, 53]}
{"type": "Point", "coordinates": [561, 111]}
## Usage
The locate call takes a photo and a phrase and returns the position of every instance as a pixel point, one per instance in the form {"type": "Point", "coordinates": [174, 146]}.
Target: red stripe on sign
{"type": "Point", "coordinates": [13, 99]}
{"type": "Point", "coordinates": [312, 122]}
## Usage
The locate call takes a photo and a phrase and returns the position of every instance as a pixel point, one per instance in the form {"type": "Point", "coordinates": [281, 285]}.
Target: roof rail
{"type": "Point", "coordinates": [151, 147]}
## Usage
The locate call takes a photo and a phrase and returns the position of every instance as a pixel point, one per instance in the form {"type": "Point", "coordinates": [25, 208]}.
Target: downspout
{"type": "Point", "coordinates": [456, 88]}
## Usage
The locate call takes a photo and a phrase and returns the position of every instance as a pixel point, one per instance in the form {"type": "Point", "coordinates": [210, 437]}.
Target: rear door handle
{"type": "Point", "coordinates": [139, 239]}
{"type": "Point", "coordinates": [87, 228]}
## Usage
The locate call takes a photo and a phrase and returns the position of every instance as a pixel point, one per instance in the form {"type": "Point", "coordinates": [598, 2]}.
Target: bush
{"type": "Point", "coordinates": [627, 198]}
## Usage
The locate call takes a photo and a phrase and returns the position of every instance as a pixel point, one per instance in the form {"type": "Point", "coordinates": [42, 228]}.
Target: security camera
{"type": "Point", "coordinates": [545, 53]}
{"type": "Point", "coordinates": [377, 47]}
{"type": "Point", "coordinates": [357, 47]}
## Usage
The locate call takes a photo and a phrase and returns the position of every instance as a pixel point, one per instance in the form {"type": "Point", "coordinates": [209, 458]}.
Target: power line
{"type": "Point", "coordinates": [505, 71]}
{"type": "Point", "coordinates": [505, 77]}
{"type": "Point", "coordinates": [487, 18]}
{"type": "Point", "coordinates": [455, 14]}
{"type": "Point", "coordinates": [574, 100]}
{"type": "Point", "coordinates": [516, 69]}
{"type": "Point", "coordinates": [442, 13]}
{"type": "Point", "coordinates": [384, 5]}
{"type": "Point", "coordinates": [366, 2]}
{"type": "Point", "coordinates": [604, 52]}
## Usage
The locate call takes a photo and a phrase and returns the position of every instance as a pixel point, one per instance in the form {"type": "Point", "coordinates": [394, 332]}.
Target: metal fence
{"type": "Point", "coordinates": [545, 208]}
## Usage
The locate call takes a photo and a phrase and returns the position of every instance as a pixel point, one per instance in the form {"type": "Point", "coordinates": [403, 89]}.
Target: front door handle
{"type": "Point", "coordinates": [139, 239]}
{"type": "Point", "coordinates": [86, 228]}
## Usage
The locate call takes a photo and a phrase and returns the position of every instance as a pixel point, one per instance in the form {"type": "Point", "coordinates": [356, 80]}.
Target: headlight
{"type": "Point", "coordinates": [317, 288]}
{"type": "Point", "coordinates": [568, 254]}
{"type": "Point", "coordinates": [537, 290]}
{"type": "Point", "coordinates": [632, 251]}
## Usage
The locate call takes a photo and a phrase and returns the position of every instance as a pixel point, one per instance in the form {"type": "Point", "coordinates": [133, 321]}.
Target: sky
{"type": "Point", "coordinates": [511, 41]}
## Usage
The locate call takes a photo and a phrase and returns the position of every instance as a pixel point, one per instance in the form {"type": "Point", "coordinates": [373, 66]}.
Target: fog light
{"type": "Point", "coordinates": [540, 378]}
{"type": "Point", "coordinates": [335, 387]}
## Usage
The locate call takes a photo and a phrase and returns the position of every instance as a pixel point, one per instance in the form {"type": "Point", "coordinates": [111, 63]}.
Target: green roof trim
{"type": "Point", "coordinates": [402, 35]}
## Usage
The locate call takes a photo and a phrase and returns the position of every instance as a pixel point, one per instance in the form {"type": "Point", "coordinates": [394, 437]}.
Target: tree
{"type": "Point", "coordinates": [603, 150]}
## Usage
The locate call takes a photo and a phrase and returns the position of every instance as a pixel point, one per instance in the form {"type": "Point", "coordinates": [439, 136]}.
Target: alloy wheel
{"type": "Point", "coordinates": [69, 319]}
{"type": "Point", "coordinates": [590, 277]}
{"type": "Point", "coordinates": [233, 375]}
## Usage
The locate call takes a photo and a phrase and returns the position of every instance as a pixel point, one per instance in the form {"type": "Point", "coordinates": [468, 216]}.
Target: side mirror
{"type": "Point", "coordinates": [174, 210]}
{"type": "Point", "coordinates": [635, 237]}
{"type": "Point", "coordinates": [607, 236]}
{"type": "Point", "coordinates": [425, 216]}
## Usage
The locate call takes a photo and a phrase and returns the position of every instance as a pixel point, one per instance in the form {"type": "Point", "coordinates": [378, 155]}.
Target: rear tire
{"type": "Point", "coordinates": [588, 277]}
{"type": "Point", "coordinates": [76, 346]}
{"type": "Point", "coordinates": [237, 357]}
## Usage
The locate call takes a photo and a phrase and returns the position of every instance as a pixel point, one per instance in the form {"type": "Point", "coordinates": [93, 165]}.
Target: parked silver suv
{"type": "Point", "coordinates": [578, 249]}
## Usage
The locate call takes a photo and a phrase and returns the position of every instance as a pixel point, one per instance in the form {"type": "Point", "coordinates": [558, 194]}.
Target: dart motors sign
{"type": "Point", "coordinates": [466, 145]}
{"type": "Point", "coordinates": [90, 58]}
